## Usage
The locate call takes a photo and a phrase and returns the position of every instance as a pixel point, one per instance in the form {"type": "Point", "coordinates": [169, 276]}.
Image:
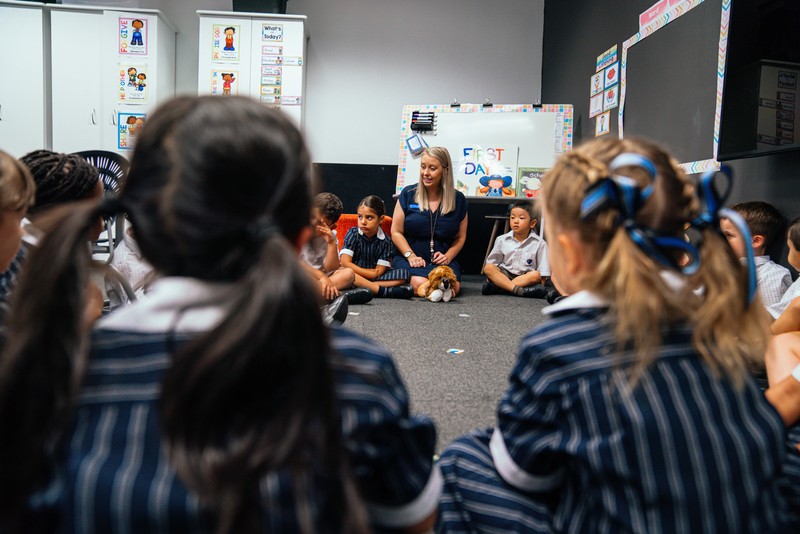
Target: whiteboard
{"type": "Point", "coordinates": [537, 134]}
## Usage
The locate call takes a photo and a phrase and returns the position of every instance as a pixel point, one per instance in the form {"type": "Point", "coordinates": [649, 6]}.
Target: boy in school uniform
{"type": "Point", "coordinates": [320, 255]}
{"type": "Point", "coordinates": [766, 225]}
{"type": "Point", "coordinates": [518, 264]}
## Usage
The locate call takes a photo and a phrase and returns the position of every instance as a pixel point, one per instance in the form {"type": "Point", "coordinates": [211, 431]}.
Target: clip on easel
{"type": "Point", "coordinates": [487, 104]}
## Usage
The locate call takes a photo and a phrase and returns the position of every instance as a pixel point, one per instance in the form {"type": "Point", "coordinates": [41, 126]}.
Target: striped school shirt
{"type": "Point", "coordinates": [684, 451]}
{"type": "Point", "coordinates": [368, 252]}
{"type": "Point", "coordinates": [116, 476]}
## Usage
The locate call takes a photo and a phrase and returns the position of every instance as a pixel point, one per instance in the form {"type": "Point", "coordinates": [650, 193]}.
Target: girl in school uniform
{"type": "Point", "coordinates": [220, 403]}
{"type": "Point", "coordinates": [632, 408]}
{"type": "Point", "coordinates": [368, 251]}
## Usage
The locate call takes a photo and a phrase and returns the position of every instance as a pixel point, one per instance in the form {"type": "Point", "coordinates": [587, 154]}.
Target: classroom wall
{"type": "Point", "coordinates": [576, 32]}
{"type": "Point", "coordinates": [367, 59]}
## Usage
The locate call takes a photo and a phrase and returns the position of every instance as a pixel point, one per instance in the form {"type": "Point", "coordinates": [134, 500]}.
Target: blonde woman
{"type": "Point", "coordinates": [429, 223]}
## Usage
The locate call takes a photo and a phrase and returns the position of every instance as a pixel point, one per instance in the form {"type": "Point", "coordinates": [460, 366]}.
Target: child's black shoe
{"type": "Point", "coordinates": [489, 288]}
{"type": "Point", "coordinates": [336, 312]}
{"type": "Point", "coordinates": [553, 296]}
{"type": "Point", "coordinates": [396, 292]}
{"type": "Point", "coordinates": [359, 295]}
{"type": "Point", "coordinates": [537, 291]}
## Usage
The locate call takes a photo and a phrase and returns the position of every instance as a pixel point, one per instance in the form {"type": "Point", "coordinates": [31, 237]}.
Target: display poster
{"type": "Point", "coordinates": [225, 46]}
{"type": "Point", "coordinates": [133, 36]}
{"type": "Point", "coordinates": [133, 83]}
{"type": "Point", "coordinates": [487, 171]}
{"type": "Point", "coordinates": [224, 82]}
{"type": "Point", "coordinates": [529, 181]}
{"type": "Point", "coordinates": [128, 127]}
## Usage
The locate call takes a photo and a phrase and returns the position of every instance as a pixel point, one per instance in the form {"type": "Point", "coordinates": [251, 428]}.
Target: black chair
{"type": "Point", "coordinates": [113, 170]}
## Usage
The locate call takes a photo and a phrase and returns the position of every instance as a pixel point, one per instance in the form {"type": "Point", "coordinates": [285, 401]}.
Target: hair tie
{"type": "Point", "coordinates": [624, 194]}
{"type": "Point", "coordinates": [711, 211]}
{"type": "Point", "coordinates": [262, 229]}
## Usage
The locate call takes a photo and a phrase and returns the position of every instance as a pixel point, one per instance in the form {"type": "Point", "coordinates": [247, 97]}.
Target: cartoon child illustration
{"type": "Point", "coordinates": [132, 76]}
{"type": "Point", "coordinates": [136, 38]}
{"type": "Point", "coordinates": [229, 31]}
{"type": "Point", "coordinates": [227, 80]}
{"type": "Point", "coordinates": [131, 122]}
{"type": "Point", "coordinates": [140, 85]}
{"type": "Point", "coordinates": [495, 186]}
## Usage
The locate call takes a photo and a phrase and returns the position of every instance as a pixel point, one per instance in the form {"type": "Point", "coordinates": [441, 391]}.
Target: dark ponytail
{"type": "Point", "coordinates": [255, 395]}
{"type": "Point", "coordinates": [43, 361]}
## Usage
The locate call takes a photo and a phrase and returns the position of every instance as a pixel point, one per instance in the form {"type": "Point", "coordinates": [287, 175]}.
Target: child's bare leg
{"type": "Point", "coordinates": [360, 281]}
{"type": "Point", "coordinates": [782, 356]}
{"type": "Point", "coordinates": [343, 278]}
{"type": "Point", "coordinates": [416, 282]}
{"type": "Point", "coordinates": [498, 277]}
{"type": "Point", "coordinates": [527, 279]}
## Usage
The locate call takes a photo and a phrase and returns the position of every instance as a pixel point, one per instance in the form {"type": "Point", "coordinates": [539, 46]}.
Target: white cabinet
{"type": "Point", "coordinates": [254, 54]}
{"type": "Point", "coordinates": [75, 80]}
{"type": "Point", "coordinates": [109, 68]}
{"type": "Point", "coordinates": [22, 78]}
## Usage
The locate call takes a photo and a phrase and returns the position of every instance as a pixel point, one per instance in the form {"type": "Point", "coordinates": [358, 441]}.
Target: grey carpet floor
{"type": "Point", "coordinates": [459, 391]}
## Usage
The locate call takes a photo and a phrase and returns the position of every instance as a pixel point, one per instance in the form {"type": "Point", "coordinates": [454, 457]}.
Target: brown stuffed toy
{"type": "Point", "coordinates": [439, 286]}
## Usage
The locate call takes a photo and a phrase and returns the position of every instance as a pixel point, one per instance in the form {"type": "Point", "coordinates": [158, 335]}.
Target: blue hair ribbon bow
{"type": "Point", "coordinates": [711, 201]}
{"type": "Point", "coordinates": [624, 194]}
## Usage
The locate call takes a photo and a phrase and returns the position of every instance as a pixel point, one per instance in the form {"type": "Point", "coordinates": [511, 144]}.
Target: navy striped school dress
{"type": "Point", "coordinates": [370, 252]}
{"type": "Point", "coordinates": [576, 449]}
{"type": "Point", "coordinates": [116, 477]}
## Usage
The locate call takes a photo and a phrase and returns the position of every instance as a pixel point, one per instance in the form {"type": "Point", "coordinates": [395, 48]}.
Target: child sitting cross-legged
{"type": "Point", "coordinates": [518, 264]}
{"type": "Point", "coordinates": [368, 251]}
{"type": "Point", "coordinates": [320, 255]}
{"type": "Point", "coordinates": [766, 226]}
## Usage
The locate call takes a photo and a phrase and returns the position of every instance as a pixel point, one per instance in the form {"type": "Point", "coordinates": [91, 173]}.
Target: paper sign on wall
{"type": "Point", "coordinates": [487, 171]}
{"type": "Point", "coordinates": [128, 126]}
{"type": "Point", "coordinates": [133, 36]}
{"type": "Point", "coordinates": [226, 42]}
{"type": "Point", "coordinates": [133, 83]}
{"type": "Point", "coordinates": [224, 82]}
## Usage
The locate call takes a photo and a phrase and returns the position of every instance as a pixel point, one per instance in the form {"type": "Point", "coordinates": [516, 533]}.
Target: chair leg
{"type": "Point", "coordinates": [491, 242]}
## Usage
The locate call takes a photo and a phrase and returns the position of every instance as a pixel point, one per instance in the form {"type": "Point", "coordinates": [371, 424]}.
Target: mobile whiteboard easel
{"type": "Point", "coordinates": [540, 133]}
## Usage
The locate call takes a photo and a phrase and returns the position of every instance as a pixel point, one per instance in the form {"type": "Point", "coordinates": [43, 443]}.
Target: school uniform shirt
{"type": "Point", "coordinates": [520, 257]}
{"type": "Point", "coordinates": [116, 476]}
{"type": "Point", "coordinates": [773, 280]}
{"type": "Point", "coordinates": [367, 252]}
{"type": "Point", "coordinates": [578, 449]}
{"type": "Point", "coordinates": [779, 307]}
{"type": "Point", "coordinates": [315, 251]}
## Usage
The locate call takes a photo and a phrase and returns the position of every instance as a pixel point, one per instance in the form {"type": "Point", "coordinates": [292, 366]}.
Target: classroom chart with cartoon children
{"type": "Point", "coordinates": [499, 152]}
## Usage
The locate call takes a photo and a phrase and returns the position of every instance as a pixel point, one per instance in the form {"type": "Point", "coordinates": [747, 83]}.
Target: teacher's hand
{"type": "Point", "coordinates": [440, 259]}
{"type": "Point", "coordinates": [416, 261]}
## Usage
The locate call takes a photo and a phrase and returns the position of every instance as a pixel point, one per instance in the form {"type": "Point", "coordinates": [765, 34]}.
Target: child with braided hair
{"type": "Point", "coordinates": [632, 409]}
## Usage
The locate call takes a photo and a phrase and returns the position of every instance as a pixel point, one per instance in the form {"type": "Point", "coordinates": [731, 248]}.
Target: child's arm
{"type": "Point", "coordinates": [329, 291]}
{"type": "Point", "coordinates": [782, 355]}
{"type": "Point", "coordinates": [370, 274]}
{"type": "Point", "coordinates": [332, 255]}
{"type": "Point", "coordinates": [789, 320]}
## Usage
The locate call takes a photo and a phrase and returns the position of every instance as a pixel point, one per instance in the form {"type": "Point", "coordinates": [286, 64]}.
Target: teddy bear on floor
{"type": "Point", "coordinates": [440, 284]}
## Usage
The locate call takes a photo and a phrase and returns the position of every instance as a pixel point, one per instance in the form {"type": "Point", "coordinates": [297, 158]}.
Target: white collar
{"type": "Point", "coordinates": [167, 307]}
{"type": "Point", "coordinates": [31, 235]}
{"type": "Point", "coordinates": [578, 301]}
{"type": "Point", "coordinates": [586, 299]}
{"type": "Point", "coordinates": [758, 260]}
{"type": "Point", "coordinates": [380, 233]}
{"type": "Point", "coordinates": [532, 235]}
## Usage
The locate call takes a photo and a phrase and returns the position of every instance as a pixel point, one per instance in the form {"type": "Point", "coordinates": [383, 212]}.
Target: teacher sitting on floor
{"type": "Point", "coordinates": [429, 223]}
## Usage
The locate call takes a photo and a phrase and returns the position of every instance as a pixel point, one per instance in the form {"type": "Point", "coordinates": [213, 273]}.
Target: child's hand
{"type": "Point", "coordinates": [329, 291]}
{"type": "Point", "coordinates": [326, 232]}
{"type": "Point", "coordinates": [93, 307]}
